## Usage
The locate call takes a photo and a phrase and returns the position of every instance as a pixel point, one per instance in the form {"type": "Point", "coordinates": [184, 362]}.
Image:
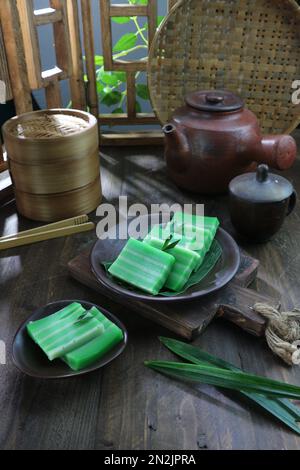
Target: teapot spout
{"type": "Point", "coordinates": [278, 151]}
{"type": "Point", "coordinates": [177, 149]}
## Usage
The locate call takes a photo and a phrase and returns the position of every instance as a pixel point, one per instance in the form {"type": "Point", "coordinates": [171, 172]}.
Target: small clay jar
{"type": "Point", "coordinates": [259, 203]}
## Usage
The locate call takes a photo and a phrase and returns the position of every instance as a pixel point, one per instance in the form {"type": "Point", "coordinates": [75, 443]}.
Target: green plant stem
{"type": "Point", "coordinates": [125, 53]}
{"type": "Point", "coordinates": [139, 30]}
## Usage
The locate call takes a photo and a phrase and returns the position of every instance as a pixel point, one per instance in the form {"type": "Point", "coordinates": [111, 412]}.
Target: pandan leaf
{"type": "Point", "coordinates": [142, 91]}
{"type": "Point", "coordinates": [84, 317]}
{"type": "Point", "coordinates": [171, 242]}
{"type": "Point", "coordinates": [121, 19]}
{"type": "Point", "coordinates": [282, 408]}
{"type": "Point", "coordinates": [234, 380]}
{"type": "Point", "coordinates": [126, 42]}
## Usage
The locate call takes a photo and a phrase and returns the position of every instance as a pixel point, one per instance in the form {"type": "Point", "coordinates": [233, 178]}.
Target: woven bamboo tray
{"type": "Point", "coordinates": [250, 47]}
{"type": "Point", "coordinates": [53, 159]}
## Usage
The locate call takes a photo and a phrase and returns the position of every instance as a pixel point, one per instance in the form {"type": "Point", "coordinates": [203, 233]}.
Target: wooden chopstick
{"type": "Point", "coordinates": [81, 219]}
{"type": "Point", "coordinates": [46, 235]}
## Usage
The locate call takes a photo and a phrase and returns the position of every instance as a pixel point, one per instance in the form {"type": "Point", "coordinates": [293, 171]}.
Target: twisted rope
{"type": "Point", "coordinates": [282, 332]}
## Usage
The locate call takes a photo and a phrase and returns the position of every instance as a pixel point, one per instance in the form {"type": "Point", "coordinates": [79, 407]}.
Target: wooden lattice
{"type": "Point", "coordinates": [20, 23]}
{"type": "Point", "coordinates": [130, 67]}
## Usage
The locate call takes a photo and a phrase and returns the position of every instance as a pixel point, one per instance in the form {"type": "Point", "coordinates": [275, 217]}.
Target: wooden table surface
{"type": "Point", "coordinates": [127, 406]}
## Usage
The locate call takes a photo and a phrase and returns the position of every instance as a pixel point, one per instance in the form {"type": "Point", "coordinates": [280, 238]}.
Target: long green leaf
{"type": "Point", "coordinates": [281, 408]}
{"type": "Point", "coordinates": [226, 378]}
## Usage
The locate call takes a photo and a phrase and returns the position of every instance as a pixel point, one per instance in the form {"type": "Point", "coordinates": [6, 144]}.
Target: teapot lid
{"type": "Point", "coordinates": [261, 186]}
{"type": "Point", "coordinates": [214, 101]}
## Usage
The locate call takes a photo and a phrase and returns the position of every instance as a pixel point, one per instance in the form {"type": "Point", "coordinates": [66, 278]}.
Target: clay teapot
{"type": "Point", "coordinates": [214, 138]}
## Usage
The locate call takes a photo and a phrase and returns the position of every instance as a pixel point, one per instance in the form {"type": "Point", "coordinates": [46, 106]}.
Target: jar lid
{"type": "Point", "coordinates": [261, 186]}
{"type": "Point", "coordinates": [214, 101]}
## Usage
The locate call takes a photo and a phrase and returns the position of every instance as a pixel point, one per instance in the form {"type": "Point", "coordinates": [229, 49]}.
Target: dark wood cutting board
{"type": "Point", "coordinates": [188, 319]}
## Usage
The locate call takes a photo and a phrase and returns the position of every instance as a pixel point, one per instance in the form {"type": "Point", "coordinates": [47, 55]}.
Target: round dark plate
{"type": "Point", "coordinates": [30, 359]}
{"type": "Point", "coordinates": [225, 269]}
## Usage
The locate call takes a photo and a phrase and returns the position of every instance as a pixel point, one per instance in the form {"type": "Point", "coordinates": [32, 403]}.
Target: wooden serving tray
{"type": "Point", "coordinates": [188, 319]}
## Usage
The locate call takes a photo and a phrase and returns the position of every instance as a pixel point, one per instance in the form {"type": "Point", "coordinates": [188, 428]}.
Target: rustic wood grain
{"type": "Point", "coordinates": [4, 74]}
{"type": "Point", "coordinates": [53, 95]}
{"type": "Point", "coordinates": [62, 38]}
{"type": "Point", "coordinates": [132, 138]}
{"type": "Point", "coordinates": [106, 34]}
{"type": "Point", "coordinates": [131, 95]}
{"type": "Point", "coordinates": [13, 41]}
{"type": "Point", "coordinates": [77, 78]}
{"type": "Point", "coordinates": [126, 406]}
{"type": "Point", "coordinates": [31, 43]}
{"type": "Point", "coordinates": [89, 46]}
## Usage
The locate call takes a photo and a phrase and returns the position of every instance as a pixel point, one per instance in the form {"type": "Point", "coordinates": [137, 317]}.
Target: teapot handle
{"type": "Point", "coordinates": [292, 203]}
{"type": "Point", "coordinates": [278, 151]}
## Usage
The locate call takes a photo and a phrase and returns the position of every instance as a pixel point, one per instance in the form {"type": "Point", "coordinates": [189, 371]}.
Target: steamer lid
{"type": "Point", "coordinates": [47, 125]}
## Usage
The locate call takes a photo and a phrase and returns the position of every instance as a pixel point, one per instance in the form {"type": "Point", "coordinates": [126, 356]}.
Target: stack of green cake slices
{"type": "Point", "coordinates": [77, 336]}
{"type": "Point", "coordinates": [168, 256]}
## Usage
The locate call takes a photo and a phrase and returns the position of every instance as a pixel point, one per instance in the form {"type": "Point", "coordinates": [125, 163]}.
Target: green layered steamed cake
{"type": "Point", "coordinates": [64, 331]}
{"type": "Point", "coordinates": [191, 237]}
{"type": "Point", "coordinates": [83, 349]}
{"type": "Point", "coordinates": [197, 233]}
{"type": "Point", "coordinates": [182, 219]}
{"type": "Point", "coordinates": [92, 351]}
{"type": "Point", "coordinates": [194, 239]}
{"type": "Point", "coordinates": [142, 266]}
{"type": "Point", "coordinates": [185, 264]}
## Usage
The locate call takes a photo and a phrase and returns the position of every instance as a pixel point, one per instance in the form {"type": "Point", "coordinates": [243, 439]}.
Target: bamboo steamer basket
{"type": "Point", "coordinates": [53, 157]}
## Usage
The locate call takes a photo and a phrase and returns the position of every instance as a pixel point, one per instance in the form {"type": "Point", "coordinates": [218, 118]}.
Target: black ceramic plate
{"type": "Point", "coordinates": [225, 269]}
{"type": "Point", "coordinates": [31, 360]}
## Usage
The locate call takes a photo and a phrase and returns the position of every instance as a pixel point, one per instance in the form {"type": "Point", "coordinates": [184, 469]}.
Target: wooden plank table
{"type": "Point", "coordinates": [126, 406]}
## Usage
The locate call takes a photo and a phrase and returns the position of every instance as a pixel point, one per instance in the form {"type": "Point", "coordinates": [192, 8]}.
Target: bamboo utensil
{"type": "Point", "coordinates": [53, 157]}
{"type": "Point", "coordinates": [81, 219]}
{"type": "Point", "coordinates": [46, 235]}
